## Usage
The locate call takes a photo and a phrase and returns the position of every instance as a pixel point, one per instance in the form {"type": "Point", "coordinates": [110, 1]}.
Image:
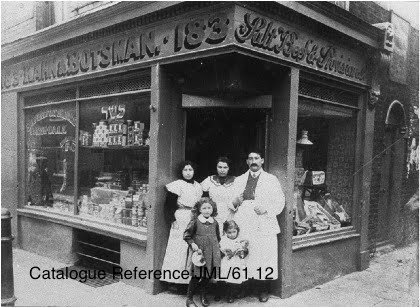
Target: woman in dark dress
{"type": "Point", "coordinates": [202, 234]}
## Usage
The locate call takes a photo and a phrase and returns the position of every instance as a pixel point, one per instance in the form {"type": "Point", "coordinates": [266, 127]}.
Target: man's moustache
{"type": "Point", "coordinates": [254, 165]}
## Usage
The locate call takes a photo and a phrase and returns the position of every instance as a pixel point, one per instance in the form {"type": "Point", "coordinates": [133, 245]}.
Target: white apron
{"type": "Point", "coordinates": [176, 255]}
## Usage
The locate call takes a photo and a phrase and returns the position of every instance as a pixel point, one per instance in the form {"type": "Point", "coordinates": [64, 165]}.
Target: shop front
{"type": "Point", "coordinates": [104, 119]}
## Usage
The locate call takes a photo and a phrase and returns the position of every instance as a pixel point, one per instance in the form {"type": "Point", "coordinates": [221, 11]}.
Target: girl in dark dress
{"type": "Point", "coordinates": [202, 234]}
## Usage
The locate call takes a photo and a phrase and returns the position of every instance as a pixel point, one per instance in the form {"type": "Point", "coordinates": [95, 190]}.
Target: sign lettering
{"type": "Point", "coordinates": [263, 34]}
{"type": "Point", "coordinates": [114, 112]}
{"type": "Point", "coordinates": [69, 116]}
{"type": "Point", "coordinates": [49, 130]}
{"type": "Point", "coordinates": [219, 29]}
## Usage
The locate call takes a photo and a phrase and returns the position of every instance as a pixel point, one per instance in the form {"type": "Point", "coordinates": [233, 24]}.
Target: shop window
{"type": "Point", "coordinates": [50, 152]}
{"type": "Point", "coordinates": [325, 166]}
{"type": "Point", "coordinates": [88, 154]}
{"type": "Point", "coordinates": [114, 159]}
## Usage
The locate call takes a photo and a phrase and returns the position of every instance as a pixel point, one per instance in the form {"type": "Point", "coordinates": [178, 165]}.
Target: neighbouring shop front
{"type": "Point", "coordinates": [105, 118]}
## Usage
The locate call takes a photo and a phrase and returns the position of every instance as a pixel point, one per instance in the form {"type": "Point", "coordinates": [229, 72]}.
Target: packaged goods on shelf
{"type": "Point", "coordinates": [100, 135]}
{"type": "Point", "coordinates": [130, 138]}
{"type": "Point", "coordinates": [138, 138]}
{"type": "Point", "coordinates": [315, 177]}
{"type": "Point", "coordinates": [147, 140]}
{"type": "Point", "coordinates": [85, 138]}
{"type": "Point", "coordinates": [138, 126]}
{"type": "Point", "coordinates": [63, 203]}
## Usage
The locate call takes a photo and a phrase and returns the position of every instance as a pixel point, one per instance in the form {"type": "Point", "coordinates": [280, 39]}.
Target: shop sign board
{"type": "Point", "coordinates": [220, 28]}
{"type": "Point", "coordinates": [286, 42]}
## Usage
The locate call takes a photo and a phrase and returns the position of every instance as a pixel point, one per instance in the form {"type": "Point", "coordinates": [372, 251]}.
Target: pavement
{"type": "Point", "coordinates": [384, 283]}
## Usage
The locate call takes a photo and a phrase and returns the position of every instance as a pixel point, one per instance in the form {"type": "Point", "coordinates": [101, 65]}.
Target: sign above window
{"type": "Point", "coordinates": [239, 27]}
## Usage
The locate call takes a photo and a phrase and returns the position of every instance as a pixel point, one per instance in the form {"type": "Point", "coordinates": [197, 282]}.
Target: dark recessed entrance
{"type": "Point", "coordinates": [231, 132]}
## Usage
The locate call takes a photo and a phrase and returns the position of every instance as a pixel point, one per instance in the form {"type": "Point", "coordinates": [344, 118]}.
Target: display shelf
{"type": "Point", "coordinates": [110, 148]}
{"type": "Point", "coordinates": [135, 235]}
{"type": "Point", "coordinates": [321, 238]}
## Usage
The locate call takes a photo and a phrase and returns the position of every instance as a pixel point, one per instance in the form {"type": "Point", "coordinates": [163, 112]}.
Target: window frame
{"type": "Point", "coordinates": [342, 233]}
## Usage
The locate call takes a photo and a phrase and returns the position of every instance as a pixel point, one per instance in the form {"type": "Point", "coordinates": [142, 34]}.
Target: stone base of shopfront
{"type": "Point", "coordinates": [319, 264]}
{"type": "Point", "coordinates": [47, 239]}
{"type": "Point", "coordinates": [62, 242]}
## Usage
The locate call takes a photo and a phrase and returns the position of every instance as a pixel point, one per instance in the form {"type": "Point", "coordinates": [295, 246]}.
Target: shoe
{"type": "Point", "coordinates": [230, 299]}
{"type": "Point", "coordinates": [230, 293]}
{"type": "Point", "coordinates": [190, 303]}
{"type": "Point", "coordinates": [190, 293]}
{"type": "Point", "coordinates": [263, 297]}
{"type": "Point", "coordinates": [241, 293]}
{"type": "Point", "coordinates": [204, 301]}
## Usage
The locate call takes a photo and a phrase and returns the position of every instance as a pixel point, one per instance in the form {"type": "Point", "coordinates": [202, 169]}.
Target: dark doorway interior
{"type": "Point", "coordinates": [214, 132]}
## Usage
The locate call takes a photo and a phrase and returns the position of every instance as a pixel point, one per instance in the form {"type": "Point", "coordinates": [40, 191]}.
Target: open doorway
{"type": "Point", "coordinates": [231, 132]}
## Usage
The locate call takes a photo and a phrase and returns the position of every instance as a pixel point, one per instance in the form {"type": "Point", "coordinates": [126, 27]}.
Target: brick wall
{"type": "Point", "coordinates": [340, 166]}
{"type": "Point", "coordinates": [369, 11]}
{"type": "Point", "coordinates": [408, 96]}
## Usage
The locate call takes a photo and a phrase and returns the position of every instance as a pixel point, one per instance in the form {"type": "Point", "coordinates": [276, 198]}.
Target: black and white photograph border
{"type": "Point", "coordinates": [210, 153]}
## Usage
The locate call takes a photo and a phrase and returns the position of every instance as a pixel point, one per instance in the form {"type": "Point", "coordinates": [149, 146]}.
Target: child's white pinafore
{"type": "Point", "coordinates": [232, 270]}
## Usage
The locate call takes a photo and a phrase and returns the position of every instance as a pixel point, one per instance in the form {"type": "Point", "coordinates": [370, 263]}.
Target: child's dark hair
{"type": "Point", "coordinates": [199, 203]}
{"type": "Point", "coordinates": [230, 224]}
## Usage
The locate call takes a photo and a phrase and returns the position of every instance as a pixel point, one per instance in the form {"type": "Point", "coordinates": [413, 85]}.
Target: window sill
{"type": "Point", "coordinates": [326, 237]}
{"type": "Point", "coordinates": [136, 236]}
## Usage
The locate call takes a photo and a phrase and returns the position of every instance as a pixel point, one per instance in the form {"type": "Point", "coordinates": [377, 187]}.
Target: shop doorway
{"type": "Point", "coordinates": [231, 132]}
{"type": "Point", "coordinates": [391, 175]}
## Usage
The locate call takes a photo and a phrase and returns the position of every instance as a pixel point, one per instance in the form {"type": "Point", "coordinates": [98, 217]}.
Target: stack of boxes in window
{"type": "Point", "coordinates": [100, 135]}
{"type": "Point", "coordinates": [85, 138]}
{"type": "Point", "coordinates": [117, 206]}
{"type": "Point", "coordinates": [119, 133]}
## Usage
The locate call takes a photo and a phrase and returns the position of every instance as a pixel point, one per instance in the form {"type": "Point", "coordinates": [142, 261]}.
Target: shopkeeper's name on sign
{"type": "Point", "coordinates": [85, 60]}
{"type": "Point", "coordinates": [259, 32]}
{"type": "Point", "coordinates": [137, 47]}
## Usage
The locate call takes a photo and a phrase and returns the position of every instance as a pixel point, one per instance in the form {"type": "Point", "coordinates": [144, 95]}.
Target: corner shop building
{"type": "Point", "coordinates": [203, 79]}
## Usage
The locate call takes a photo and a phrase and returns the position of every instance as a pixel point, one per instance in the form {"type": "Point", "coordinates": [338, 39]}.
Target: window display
{"type": "Point", "coordinates": [325, 157]}
{"type": "Point", "coordinates": [114, 159]}
{"type": "Point", "coordinates": [50, 154]}
{"type": "Point", "coordinates": [88, 154]}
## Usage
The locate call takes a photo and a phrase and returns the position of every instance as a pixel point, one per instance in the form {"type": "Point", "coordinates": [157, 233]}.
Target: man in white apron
{"type": "Point", "coordinates": [259, 199]}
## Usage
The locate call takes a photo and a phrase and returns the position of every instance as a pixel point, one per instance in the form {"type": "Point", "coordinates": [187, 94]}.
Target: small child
{"type": "Point", "coordinates": [202, 235]}
{"type": "Point", "coordinates": [235, 251]}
